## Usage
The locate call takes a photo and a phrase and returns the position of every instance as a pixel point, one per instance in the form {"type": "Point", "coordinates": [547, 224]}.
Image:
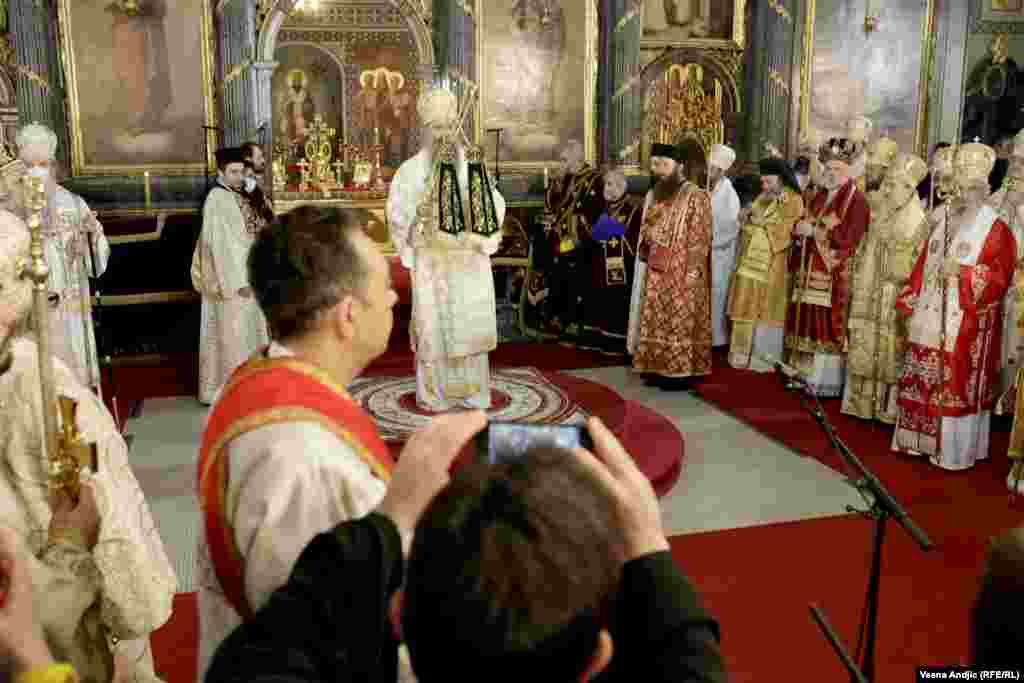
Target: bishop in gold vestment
{"type": "Point", "coordinates": [757, 298]}
{"type": "Point", "coordinates": [882, 266]}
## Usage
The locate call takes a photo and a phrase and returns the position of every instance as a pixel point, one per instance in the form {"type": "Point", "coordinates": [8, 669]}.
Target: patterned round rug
{"type": "Point", "coordinates": [517, 394]}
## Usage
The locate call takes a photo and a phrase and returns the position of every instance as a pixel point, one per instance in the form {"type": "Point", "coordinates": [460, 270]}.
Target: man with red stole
{"type": "Point", "coordinates": [837, 216]}
{"type": "Point", "coordinates": [950, 378]}
{"type": "Point", "coordinates": [286, 453]}
{"type": "Point", "coordinates": [669, 332]}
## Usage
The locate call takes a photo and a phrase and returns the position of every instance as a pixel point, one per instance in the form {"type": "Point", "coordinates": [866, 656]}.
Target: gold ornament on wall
{"type": "Point", "coordinates": [678, 107]}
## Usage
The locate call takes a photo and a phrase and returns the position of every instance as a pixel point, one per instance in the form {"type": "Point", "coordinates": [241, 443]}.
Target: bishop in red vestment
{"type": "Point", "coordinates": [954, 298]}
{"type": "Point", "coordinates": [836, 218]}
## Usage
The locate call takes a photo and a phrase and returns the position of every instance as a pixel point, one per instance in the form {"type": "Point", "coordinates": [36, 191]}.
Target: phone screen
{"type": "Point", "coordinates": [503, 442]}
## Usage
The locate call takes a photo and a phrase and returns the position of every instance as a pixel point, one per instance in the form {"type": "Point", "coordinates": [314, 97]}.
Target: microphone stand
{"type": "Point", "coordinates": [837, 645]}
{"type": "Point", "coordinates": [881, 506]}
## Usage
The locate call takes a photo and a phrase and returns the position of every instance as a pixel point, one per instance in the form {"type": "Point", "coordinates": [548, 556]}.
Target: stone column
{"type": "Point", "coordinates": [40, 83]}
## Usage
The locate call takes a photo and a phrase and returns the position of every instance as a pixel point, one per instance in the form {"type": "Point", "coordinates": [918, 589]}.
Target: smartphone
{"type": "Point", "coordinates": [505, 442]}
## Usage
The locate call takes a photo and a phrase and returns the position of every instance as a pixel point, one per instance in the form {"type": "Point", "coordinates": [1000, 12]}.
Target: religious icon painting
{"type": "Point", "coordinates": [134, 104]}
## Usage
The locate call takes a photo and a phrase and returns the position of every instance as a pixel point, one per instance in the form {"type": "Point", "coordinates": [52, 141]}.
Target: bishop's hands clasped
{"type": "Point", "coordinates": [21, 636]}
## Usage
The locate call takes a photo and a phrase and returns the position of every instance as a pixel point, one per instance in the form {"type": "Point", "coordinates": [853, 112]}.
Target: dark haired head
{"type": "Point", "coordinates": [302, 264]}
{"type": "Point", "coordinates": [227, 156]}
{"type": "Point", "coordinates": [996, 636]}
{"type": "Point", "coordinates": [511, 566]}
{"type": "Point", "coordinates": [247, 149]}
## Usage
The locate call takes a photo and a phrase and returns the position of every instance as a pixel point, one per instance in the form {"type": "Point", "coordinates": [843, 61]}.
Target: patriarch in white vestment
{"type": "Point", "coordinates": [98, 598]}
{"type": "Point", "coordinates": [445, 218]}
{"type": "Point", "coordinates": [232, 327]}
{"type": "Point", "coordinates": [725, 228]}
{"type": "Point", "coordinates": [76, 250]}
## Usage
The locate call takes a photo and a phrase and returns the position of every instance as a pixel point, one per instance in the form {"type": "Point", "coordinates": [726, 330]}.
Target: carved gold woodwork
{"type": "Point", "coordinates": [678, 107]}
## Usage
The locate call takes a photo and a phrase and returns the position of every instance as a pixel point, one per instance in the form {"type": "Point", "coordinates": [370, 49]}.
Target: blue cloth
{"type": "Point", "coordinates": [607, 228]}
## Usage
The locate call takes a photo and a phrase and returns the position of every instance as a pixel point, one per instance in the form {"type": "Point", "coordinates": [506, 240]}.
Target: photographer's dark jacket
{"type": "Point", "coordinates": [330, 621]}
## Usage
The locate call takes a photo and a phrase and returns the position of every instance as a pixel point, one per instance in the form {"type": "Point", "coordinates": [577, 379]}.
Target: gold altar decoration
{"type": "Point", "coordinates": [927, 37]}
{"type": "Point", "coordinates": [65, 450]}
{"type": "Point", "coordinates": [678, 107]}
{"type": "Point", "coordinates": [319, 150]}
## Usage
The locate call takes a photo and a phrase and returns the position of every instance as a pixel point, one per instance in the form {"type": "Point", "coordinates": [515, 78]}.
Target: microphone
{"type": "Point", "coordinates": [783, 369]}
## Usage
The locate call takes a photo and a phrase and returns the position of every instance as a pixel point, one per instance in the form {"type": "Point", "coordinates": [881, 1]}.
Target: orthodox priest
{"type": "Point", "coordinates": [232, 326]}
{"type": "Point", "coordinates": [1008, 202]}
{"type": "Point", "coordinates": [445, 217]}
{"type": "Point", "coordinates": [950, 376]}
{"type": "Point", "coordinates": [819, 265]}
{"type": "Point", "coordinates": [725, 210]}
{"type": "Point", "coordinates": [670, 308]}
{"type": "Point", "coordinates": [757, 297]}
{"type": "Point", "coordinates": [882, 266]}
{"type": "Point", "coordinates": [612, 261]}
{"type": "Point", "coordinates": [573, 201]}
{"type": "Point", "coordinates": [100, 574]}
{"type": "Point", "coordinates": [76, 250]}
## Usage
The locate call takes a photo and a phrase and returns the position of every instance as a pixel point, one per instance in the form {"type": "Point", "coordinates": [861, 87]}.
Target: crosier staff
{"type": "Point", "coordinates": [66, 453]}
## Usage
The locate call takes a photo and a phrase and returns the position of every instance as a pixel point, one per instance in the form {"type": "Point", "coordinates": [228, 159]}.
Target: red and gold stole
{"type": "Point", "coordinates": [261, 392]}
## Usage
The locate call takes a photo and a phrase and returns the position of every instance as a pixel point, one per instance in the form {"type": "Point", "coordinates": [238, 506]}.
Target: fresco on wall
{"type": "Point", "coordinates": [383, 88]}
{"type": "Point", "coordinates": [307, 82]}
{"type": "Point", "coordinates": [876, 74]}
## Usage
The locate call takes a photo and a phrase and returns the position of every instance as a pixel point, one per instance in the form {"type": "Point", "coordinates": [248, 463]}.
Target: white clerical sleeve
{"type": "Point", "coordinates": [227, 252]}
{"type": "Point", "coordinates": [97, 260]}
{"type": "Point", "coordinates": [725, 210]}
{"type": "Point", "coordinates": [136, 578]}
{"type": "Point", "coordinates": [294, 481]}
{"type": "Point", "coordinates": [403, 198]}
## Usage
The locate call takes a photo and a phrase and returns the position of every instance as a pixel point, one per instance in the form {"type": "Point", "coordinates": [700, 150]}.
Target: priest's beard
{"type": "Point", "coordinates": [666, 188]}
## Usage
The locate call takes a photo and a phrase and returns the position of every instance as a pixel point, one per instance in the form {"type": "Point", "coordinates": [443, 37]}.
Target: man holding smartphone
{"type": "Point", "coordinates": [556, 567]}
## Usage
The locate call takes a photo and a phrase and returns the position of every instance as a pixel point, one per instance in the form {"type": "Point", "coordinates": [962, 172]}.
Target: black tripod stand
{"type": "Point", "coordinates": [881, 506]}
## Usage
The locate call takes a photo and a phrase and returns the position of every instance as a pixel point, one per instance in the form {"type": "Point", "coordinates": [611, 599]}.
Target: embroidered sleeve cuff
{"type": "Point", "coordinates": [53, 673]}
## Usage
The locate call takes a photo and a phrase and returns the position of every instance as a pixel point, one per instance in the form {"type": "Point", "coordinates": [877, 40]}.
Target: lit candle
{"type": "Point", "coordinates": [376, 136]}
{"type": "Point", "coordinates": [148, 195]}
{"type": "Point", "coordinates": [545, 177]}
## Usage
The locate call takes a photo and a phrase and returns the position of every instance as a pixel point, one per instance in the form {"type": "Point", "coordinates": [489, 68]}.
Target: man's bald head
{"type": "Point", "coordinates": [15, 288]}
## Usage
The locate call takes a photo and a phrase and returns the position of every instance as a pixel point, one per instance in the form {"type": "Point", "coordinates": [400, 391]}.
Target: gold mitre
{"type": "Point", "coordinates": [882, 152]}
{"type": "Point", "coordinates": [973, 162]}
{"type": "Point", "coordinates": [858, 129]}
{"type": "Point", "coordinates": [943, 161]}
{"type": "Point", "coordinates": [908, 168]}
{"type": "Point", "coordinates": [438, 106]}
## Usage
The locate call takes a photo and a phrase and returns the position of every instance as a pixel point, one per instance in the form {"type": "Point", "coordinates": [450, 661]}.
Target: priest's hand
{"type": "Point", "coordinates": [633, 500]}
{"type": "Point", "coordinates": [951, 268]}
{"type": "Point", "coordinates": [77, 524]}
{"type": "Point", "coordinates": [245, 292]}
{"type": "Point", "coordinates": [803, 229]}
{"type": "Point", "coordinates": [21, 636]}
{"type": "Point", "coordinates": [423, 466]}
{"type": "Point", "coordinates": [744, 217]}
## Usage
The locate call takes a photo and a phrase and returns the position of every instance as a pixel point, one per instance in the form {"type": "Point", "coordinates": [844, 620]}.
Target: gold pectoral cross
{"type": "Point", "coordinates": [73, 453]}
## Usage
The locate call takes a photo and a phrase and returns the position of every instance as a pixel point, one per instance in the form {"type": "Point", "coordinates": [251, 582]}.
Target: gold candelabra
{"type": "Point", "coordinates": [319, 152]}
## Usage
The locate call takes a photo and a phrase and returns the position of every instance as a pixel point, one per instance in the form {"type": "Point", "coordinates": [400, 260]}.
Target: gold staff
{"type": "Point", "coordinates": [65, 450]}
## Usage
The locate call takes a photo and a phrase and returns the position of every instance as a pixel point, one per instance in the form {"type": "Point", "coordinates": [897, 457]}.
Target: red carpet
{"type": "Point", "coordinates": [759, 581]}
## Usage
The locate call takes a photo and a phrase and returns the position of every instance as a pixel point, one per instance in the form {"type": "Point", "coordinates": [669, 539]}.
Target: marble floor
{"type": "Point", "coordinates": [732, 475]}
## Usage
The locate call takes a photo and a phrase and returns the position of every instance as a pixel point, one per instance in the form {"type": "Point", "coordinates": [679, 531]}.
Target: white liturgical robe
{"type": "Point", "coordinates": [287, 482]}
{"type": "Point", "coordinates": [454, 318]}
{"type": "Point", "coordinates": [232, 326]}
{"type": "Point", "coordinates": [75, 249]}
{"type": "Point", "coordinates": [125, 587]}
{"type": "Point", "coordinates": [725, 228]}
